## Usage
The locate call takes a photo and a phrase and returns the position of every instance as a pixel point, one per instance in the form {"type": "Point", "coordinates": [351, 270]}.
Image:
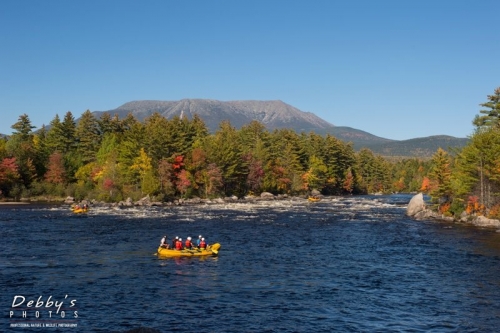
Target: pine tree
{"type": "Point", "coordinates": [88, 137]}
{"type": "Point", "coordinates": [55, 136]}
{"type": "Point", "coordinates": [225, 150]}
{"type": "Point", "coordinates": [440, 177]}
{"type": "Point", "coordinates": [491, 118]}
{"type": "Point", "coordinates": [68, 127]}
{"type": "Point", "coordinates": [158, 140]}
{"type": "Point", "coordinates": [131, 142]}
{"type": "Point", "coordinates": [22, 147]}
{"type": "Point", "coordinates": [23, 128]}
{"type": "Point", "coordinates": [315, 177]}
{"type": "Point", "coordinates": [477, 167]}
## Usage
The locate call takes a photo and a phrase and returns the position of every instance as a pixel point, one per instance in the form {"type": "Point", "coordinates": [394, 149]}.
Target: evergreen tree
{"type": "Point", "coordinates": [347, 161]}
{"type": "Point", "coordinates": [23, 128]}
{"type": "Point", "coordinates": [284, 161]}
{"type": "Point", "coordinates": [195, 131]}
{"type": "Point", "coordinates": [128, 151]}
{"type": "Point", "coordinates": [477, 167]}
{"type": "Point", "coordinates": [109, 179]}
{"type": "Point", "coordinates": [476, 172]}
{"type": "Point", "coordinates": [55, 136]}
{"type": "Point", "coordinates": [88, 137]}
{"type": "Point", "coordinates": [3, 148]}
{"type": "Point", "coordinates": [254, 138]}
{"type": "Point", "coordinates": [225, 150]}
{"type": "Point", "coordinates": [198, 129]}
{"type": "Point", "coordinates": [68, 127]}
{"type": "Point", "coordinates": [41, 151]}
{"type": "Point", "coordinates": [491, 115]}
{"type": "Point", "coordinates": [22, 147]}
{"type": "Point", "coordinates": [440, 177]}
{"type": "Point", "coordinates": [315, 177]}
{"type": "Point", "coordinates": [158, 139]}
{"type": "Point", "coordinates": [333, 160]}
{"type": "Point", "coordinates": [105, 124]}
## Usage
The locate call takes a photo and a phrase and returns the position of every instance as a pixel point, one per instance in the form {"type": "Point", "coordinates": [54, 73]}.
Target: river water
{"type": "Point", "coordinates": [344, 264]}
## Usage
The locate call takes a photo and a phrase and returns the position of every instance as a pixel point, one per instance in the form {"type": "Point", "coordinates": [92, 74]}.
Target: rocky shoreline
{"type": "Point", "coordinates": [418, 210]}
{"type": "Point", "coordinates": [147, 202]}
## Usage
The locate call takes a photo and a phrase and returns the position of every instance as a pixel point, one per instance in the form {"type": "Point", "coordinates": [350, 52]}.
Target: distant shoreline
{"type": "Point", "coordinates": [14, 203]}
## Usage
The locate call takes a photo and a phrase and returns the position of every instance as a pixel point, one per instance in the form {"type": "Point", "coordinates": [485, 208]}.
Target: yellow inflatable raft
{"type": "Point", "coordinates": [80, 210]}
{"type": "Point", "coordinates": [211, 250]}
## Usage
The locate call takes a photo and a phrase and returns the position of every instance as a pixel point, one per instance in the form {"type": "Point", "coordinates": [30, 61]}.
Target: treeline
{"type": "Point", "coordinates": [110, 159]}
{"type": "Point", "coordinates": [469, 180]}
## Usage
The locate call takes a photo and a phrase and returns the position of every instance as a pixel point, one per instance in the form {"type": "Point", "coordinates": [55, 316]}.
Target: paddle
{"type": "Point", "coordinates": [187, 251]}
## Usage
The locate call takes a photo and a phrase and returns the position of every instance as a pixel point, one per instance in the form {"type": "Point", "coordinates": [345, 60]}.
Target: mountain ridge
{"type": "Point", "coordinates": [276, 114]}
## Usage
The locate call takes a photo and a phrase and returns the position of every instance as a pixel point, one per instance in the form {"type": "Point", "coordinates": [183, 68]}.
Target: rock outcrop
{"type": "Point", "coordinates": [417, 209]}
{"type": "Point", "coordinates": [416, 205]}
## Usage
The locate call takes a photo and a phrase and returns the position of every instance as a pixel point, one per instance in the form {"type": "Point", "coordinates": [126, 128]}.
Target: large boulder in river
{"type": "Point", "coordinates": [415, 205]}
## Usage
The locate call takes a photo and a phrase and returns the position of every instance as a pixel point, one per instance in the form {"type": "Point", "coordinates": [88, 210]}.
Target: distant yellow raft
{"type": "Point", "coordinates": [80, 210]}
{"type": "Point", "coordinates": [211, 250]}
{"type": "Point", "coordinates": [314, 199]}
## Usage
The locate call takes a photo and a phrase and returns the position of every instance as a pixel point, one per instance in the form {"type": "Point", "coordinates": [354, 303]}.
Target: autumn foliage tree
{"type": "Point", "coordinates": [55, 170]}
{"type": "Point", "coordinates": [440, 177]}
{"type": "Point", "coordinates": [183, 181]}
{"type": "Point", "coordinates": [348, 184]}
{"type": "Point", "coordinates": [165, 176]}
{"type": "Point", "coordinates": [9, 175]}
{"type": "Point", "coordinates": [426, 185]}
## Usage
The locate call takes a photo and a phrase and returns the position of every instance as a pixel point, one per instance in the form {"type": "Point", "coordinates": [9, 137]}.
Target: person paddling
{"type": "Point", "coordinates": [174, 241]}
{"type": "Point", "coordinates": [188, 245]}
{"type": "Point", "coordinates": [178, 244]}
{"type": "Point", "coordinates": [203, 244]}
{"type": "Point", "coordinates": [163, 242]}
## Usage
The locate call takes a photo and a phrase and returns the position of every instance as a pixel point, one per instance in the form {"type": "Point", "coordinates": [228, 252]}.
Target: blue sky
{"type": "Point", "coordinates": [396, 69]}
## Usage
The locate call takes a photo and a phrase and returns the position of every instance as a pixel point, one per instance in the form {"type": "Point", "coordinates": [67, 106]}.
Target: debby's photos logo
{"type": "Point", "coordinates": [40, 312]}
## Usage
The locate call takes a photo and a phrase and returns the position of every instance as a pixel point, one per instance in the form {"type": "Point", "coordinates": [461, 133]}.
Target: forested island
{"type": "Point", "coordinates": [110, 159]}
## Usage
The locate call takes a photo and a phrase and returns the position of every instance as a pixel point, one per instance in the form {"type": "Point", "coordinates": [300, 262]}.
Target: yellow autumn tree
{"type": "Point", "coordinates": [142, 164]}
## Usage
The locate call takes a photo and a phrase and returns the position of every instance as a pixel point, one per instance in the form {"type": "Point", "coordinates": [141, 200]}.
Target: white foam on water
{"type": "Point", "coordinates": [250, 210]}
